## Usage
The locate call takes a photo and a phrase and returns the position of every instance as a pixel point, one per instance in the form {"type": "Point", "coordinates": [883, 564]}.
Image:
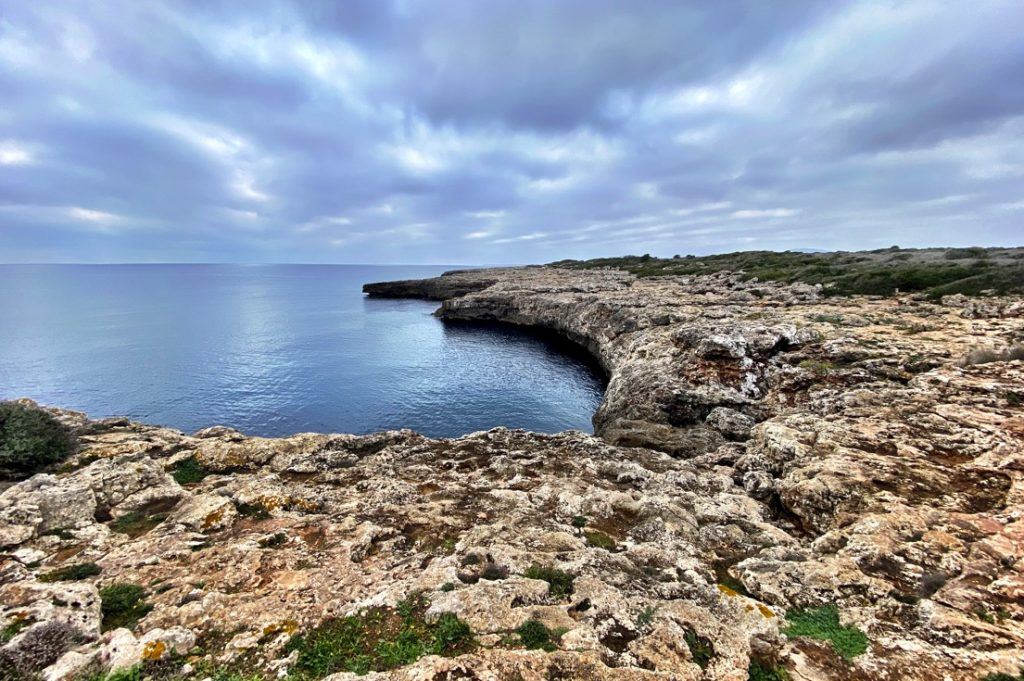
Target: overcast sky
{"type": "Point", "coordinates": [484, 131]}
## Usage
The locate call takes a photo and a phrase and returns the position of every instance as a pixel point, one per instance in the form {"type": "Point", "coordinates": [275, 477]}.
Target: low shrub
{"type": "Point", "coordinates": [40, 647]}
{"type": "Point", "coordinates": [123, 605]}
{"type": "Point", "coordinates": [30, 439]}
{"type": "Point", "coordinates": [71, 573]}
{"type": "Point", "coordinates": [823, 624]}
{"type": "Point", "coordinates": [377, 640]}
{"type": "Point", "coordinates": [700, 647]}
{"type": "Point", "coordinates": [189, 471]}
{"type": "Point", "coordinates": [560, 584]}
{"type": "Point", "coordinates": [137, 523]}
{"type": "Point", "coordinates": [534, 635]}
{"type": "Point", "coordinates": [763, 671]}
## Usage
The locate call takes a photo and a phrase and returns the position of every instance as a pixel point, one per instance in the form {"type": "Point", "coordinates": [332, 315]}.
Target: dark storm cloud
{"type": "Point", "coordinates": [459, 131]}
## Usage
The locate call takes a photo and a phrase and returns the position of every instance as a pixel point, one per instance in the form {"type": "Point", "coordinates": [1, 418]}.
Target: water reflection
{"type": "Point", "coordinates": [273, 350]}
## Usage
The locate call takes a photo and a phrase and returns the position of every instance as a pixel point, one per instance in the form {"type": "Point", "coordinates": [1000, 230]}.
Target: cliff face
{"type": "Point", "coordinates": [777, 481]}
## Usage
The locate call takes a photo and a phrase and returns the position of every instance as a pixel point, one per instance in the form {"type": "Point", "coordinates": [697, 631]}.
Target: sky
{"type": "Point", "coordinates": [493, 132]}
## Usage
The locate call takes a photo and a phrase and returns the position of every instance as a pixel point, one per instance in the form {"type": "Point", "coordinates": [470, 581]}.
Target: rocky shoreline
{"type": "Point", "coordinates": [780, 485]}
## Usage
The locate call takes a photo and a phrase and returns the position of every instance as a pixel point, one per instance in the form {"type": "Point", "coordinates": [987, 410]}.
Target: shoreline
{"type": "Point", "coordinates": [760, 452]}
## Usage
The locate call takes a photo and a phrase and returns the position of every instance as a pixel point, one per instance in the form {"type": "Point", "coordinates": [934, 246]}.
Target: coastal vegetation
{"type": "Point", "coordinates": [377, 640]}
{"type": "Point", "coordinates": [823, 624]}
{"type": "Point", "coordinates": [123, 605]}
{"type": "Point", "coordinates": [30, 440]}
{"type": "Point", "coordinates": [933, 272]}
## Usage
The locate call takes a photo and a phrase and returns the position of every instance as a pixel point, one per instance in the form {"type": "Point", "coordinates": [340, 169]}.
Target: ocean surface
{"type": "Point", "coordinates": [276, 349]}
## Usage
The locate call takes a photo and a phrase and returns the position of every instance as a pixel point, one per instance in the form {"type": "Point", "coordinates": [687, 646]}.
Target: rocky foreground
{"type": "Point", "coordinates": [781, 485]}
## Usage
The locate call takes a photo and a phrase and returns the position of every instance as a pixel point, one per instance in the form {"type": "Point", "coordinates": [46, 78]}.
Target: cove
{"type": "Point", "coordinates": [277, 349]}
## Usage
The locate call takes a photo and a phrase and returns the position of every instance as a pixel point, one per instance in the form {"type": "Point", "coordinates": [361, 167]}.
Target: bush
{"type": "Point", "coordinates": [123, 605]}
{"type": "Point", "coordinates": [189, 471]}
{"type": "Point", "coordinates": [822, 623]}
{"type": "Point", "coordinates": [39, 648]}
{"type": "Point", "coordinates": [137, 523]}
{"type": "Point", "coordinates": [534, 635]}
{"type": "Point", "coordinates": [560, 584]}
{"type": "Point", "coordinates": [71, 573]}
{"type": "Point", "coordinates": [30, 439]}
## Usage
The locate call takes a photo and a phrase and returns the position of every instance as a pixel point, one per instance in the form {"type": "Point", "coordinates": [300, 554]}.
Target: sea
{"type": "Point", "coordinates": [273, 350]}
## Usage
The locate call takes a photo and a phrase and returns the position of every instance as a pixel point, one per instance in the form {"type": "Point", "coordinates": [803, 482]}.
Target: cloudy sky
{"type": "Point", "coordinates": [485, 131]}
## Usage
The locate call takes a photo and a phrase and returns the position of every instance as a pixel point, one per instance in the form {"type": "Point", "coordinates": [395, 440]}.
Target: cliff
{"type": "Point", "coordinates": [780, 483]}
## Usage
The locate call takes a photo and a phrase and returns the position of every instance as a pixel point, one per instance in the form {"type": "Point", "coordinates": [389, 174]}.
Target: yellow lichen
{"type": "Point", "coordinates": [728, 591]}
{"type": "Point", "coordinates": [154, 650]}
{"type": "Point", "coordinates": [766, 612]}
{"type": "Point", "coordinates": [285, 626]}
{"type": "Point", "coordinates": [213, 518]}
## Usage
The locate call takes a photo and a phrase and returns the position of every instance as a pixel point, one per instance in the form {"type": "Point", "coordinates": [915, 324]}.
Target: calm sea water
{"type": "Point", "coordinates": [273, 350]}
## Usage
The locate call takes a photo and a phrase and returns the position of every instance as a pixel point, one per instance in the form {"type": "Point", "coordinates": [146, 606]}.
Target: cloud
{"type": "Point", "coordinates": [526, 131]}
{"type": "Point", "coordinates": [13, 154]}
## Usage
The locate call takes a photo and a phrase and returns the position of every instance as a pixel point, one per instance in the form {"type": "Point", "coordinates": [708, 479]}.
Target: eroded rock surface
{"type": "Point", "coordinates": [760, 448]}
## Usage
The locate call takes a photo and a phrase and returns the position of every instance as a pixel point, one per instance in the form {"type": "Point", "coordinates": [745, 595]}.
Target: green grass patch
{"type": "Point", "coordinates": [377, 640]}
{"type": "Point", "coordinates": [137, 523]}
{"type": "Point", "coordinates": [599, 540]}
{"type": "Point", "coordinates": [30, 440]}
{"type": "Point", "coordinates": [967, 271]}
{"type": "Point", "coordinates": [822, 623]}
{"type": "Point", "coordinates": [71, 573]}
{"type": "Point", "coordinates": [560, 584]}
{"type": "Point", "coordinates": [123, 605]}
{"type": "Point", "coordinates": [189, 471]}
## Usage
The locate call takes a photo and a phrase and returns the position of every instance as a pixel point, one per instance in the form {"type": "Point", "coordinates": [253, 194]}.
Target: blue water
{"type": "Point", "coordinates": [273, 350]}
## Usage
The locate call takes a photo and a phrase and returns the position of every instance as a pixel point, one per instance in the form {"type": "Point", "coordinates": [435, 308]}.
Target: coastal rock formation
{"type": "Point", "coordinates": [779, 483]}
